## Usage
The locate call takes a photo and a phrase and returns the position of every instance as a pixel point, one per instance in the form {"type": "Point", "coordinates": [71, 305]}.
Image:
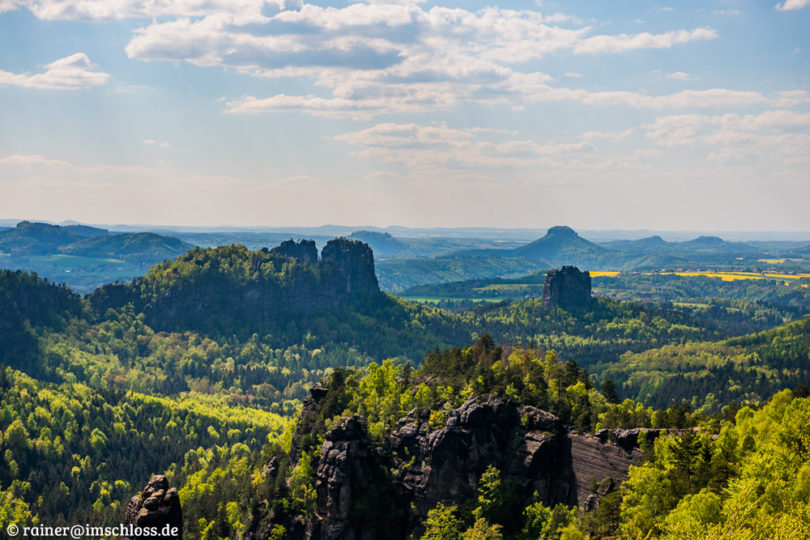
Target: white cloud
{"type": "Point", "coordinates": [610, 135]}
{"type": "Point", "coordinates": [730, 137]}
{"type": "Point", "coordinates": [8, 5]}
{"type": "Point", "coordinates": [32, 159]}
{"type": "Point", "coordinates": [70, 73]}
{"type": "Point", "coordinates": [679, 76]}
{"type": "Point", "coordinates": [162, 144]}
{"type": "Point", "coordinates": [97, 10]}
{"type": "Point", "coordinates": [376, 57]}
{"type": "Point", "coordinates": [441, 151]}
{"type": "Point", "coordinates": [792, 4]}
{"type": "Point", "coordinates": [573, 74]}
{"type": "Point", "coordinates": [645, 40]}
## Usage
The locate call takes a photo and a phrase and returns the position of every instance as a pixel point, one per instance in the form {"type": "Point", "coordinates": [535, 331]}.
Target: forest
{"type": "Point", "coordinates": [101, 391]}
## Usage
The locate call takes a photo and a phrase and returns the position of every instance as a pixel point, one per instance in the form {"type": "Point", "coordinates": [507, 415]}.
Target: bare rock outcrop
{"type": "Point", "coordinates": [422, 463]}
{"type": "Point", "coordinates": [567, 288]}
{"type": "Point", "coordinates": [158, 510]}
{"type": "Point", "coordinates": [356, 261]}
{"type": "Point", "coordinates": [305, 250]}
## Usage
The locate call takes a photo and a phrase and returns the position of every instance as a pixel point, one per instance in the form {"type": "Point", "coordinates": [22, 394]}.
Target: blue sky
{"type": "Point", "coordinates": [624, 114]}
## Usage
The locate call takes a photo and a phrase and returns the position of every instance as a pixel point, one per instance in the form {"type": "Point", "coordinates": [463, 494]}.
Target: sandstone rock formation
{"type": "Point", "coordinates": [159, 508]}
{"type": "Point", "coordinates": [419, 465]}
{"type": "Point", "coordinates": [304, 250]}
{"type": "Point", "coordinates": [216, 291]}
{"type": "Point", "coordinates": [356, 260]}
{"type": "Point", "coordinates": [567, 288]}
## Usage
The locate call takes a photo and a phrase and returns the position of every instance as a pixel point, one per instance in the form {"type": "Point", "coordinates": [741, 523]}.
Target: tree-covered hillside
{"type": "Point", "coordinates": [194, 370]}
{"type": "Point", "coordinates": [709, 375]}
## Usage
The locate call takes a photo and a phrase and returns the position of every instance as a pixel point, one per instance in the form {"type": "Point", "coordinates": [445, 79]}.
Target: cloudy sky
{"type": "Point", "coordinates": [524, 113]}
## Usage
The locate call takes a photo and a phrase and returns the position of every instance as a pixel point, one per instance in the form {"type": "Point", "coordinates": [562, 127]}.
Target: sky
{"type": "Point", "coordinates": [600, 115]}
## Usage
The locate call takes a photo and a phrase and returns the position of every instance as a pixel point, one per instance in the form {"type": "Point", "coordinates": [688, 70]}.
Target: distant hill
{"type": "Point", "coordinates": [29, 238]}
{"type": "Point", "coordinates": [383, 244]}
{"type": "Point", "coordinates": [132, 247]}
{"type": "Point", "coordinates": [84, 257]}
{"type": "Point", "coordinates": [699, 372]}
{"type": "Point", "coordinates": [85, 231]}
{"type": "Point", "coordinates": [32, 239]}
{"type": "Point", "coordinates": [561, 245]}
{"type": "Point", "coordinates": [396, 275]}
{"type": "Point", "coordinates": [716, 244]}
{"type": "Point", "coordinates": [651, 243]}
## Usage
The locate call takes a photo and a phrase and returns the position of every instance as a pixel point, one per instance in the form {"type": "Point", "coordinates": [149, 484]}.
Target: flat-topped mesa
{"type": "Point", "coordinates": [356, 260]}
{"type": "Point", "coordinates": [304, 250]}
{"type": "Point", "coordinates": [567, 288]}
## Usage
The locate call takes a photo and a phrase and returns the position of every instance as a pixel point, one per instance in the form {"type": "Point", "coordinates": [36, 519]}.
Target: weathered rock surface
{"type": "Point", "coordinates": [159, 507]}
{"type": "Point", "coordinates": [428, 464]}
{"type": "Point", "coordinates": [567, 288]}
{"type": "Point", "coordinates": [304, 250]}
{"type": "Point", "coordinates": [356, 260]}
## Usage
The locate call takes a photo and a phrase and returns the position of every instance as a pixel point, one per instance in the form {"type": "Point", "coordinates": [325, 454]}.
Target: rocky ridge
{"type": "Point", "coordinates": [194, 291]}
{"type": "Point", "coordinates": [419, 465]}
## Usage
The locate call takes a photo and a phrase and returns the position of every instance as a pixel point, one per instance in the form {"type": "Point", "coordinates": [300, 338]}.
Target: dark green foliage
{"type": "Point", "coordinates": [608, 389]}
{"type": "Point", "coordinates": [133, 247]}
{"type": "Point", "coordinates": [29, 238]}
{"type": "Point", "coordinates": [609, 328]}
{"type": "Point", "coordinates": [29, 304]}
{"type": "Point", "coordinates": [755, 294]}
{"type": "Point", "coordinates": [710, 375]}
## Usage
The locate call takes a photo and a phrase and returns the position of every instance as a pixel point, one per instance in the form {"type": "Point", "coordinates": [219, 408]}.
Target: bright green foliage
{"type": "Point", "coordinates": [301, 486]}
{"type": "Point", "coordinates": [545, 523]}
{"type": "Point", "coordinates": [13, 509]}
{"type": "Point", "coordinates": [482, 530]}
{"type": "Point", "coordinates": [442, 523]}
{"type": "Point", "coordinates": [710, 375]}
{"type": "Point", "coordinates": [498, 513]}
{"type": "Point", "coordinates": [72, 454]}
{"type": "Point", "coordinates": [749, 482]}
{"type": "Point", "coordinates": [603, 332]}
{"type": "Point", "coordinates": [497, 501]}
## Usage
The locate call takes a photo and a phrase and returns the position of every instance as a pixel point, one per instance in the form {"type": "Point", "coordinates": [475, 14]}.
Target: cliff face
{"type": "Point", "coordinates": [230, 288]}
{"type": "Point", "coordinates": [304, 250]}
{"type": "Point", "coordinates": [356, 261]}
{"type": "Point", "coordinates": [417, 466]}
{"type": "Point", "coordinates": [159, 510]}
{"type": "Point", "coordinates": [567, 288]}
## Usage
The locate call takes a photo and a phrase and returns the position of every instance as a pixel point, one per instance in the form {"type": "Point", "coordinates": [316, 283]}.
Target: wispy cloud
{"type": "Point", "coordinates": [70, 73]}
{"type": "Point", "coordinates": [732, 137]}
{"type": "Point", "coordinates": [789, 5]}
{"type": "Point", "coordinates": [162, 144]}
{"type": "Point", "coordinates": [32, 159]}
{"type": "Point", "coordinates": [679, 76]}
{"type": "Point", "coordinates": [628, 42]}
{"type": "Point", "coordinates": [101, 10]}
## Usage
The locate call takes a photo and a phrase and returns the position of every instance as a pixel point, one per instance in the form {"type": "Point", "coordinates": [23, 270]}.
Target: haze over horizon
{"type": "Point", "coordinates": [525, 114]}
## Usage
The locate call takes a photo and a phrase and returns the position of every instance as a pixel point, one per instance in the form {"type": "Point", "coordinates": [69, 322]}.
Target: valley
{"type": "Point", "coordinates": [232, 370]}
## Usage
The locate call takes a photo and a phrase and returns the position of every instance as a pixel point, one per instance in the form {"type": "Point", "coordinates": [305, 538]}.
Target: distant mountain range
{"type": "Point", "coordinates": [562, 245]}
{"type": "Point", "coordinates": [85, 256]}
{"type": "Point", "coordinates": [37, 239]}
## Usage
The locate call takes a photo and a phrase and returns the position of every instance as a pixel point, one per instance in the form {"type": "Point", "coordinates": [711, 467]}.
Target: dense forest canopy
{"type": "Point", "coordinates": [199, 370]}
